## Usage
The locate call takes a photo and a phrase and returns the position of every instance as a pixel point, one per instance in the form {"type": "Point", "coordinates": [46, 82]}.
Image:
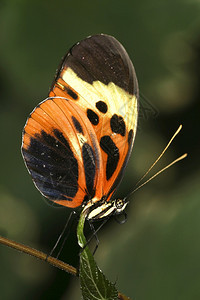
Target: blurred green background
{"type": "Point", "coordinates": [156, 253]}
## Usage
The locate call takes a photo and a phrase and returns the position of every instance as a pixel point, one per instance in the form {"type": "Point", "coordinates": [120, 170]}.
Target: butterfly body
{"type": "Point", "coordinates": [77, 142]}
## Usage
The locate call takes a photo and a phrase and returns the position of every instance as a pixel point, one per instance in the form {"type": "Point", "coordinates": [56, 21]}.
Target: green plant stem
{"type": "Point", "coordinates": [80, 234]}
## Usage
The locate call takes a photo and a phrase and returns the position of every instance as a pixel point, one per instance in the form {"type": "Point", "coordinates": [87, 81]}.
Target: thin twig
{"type": "Point", "coordinates": [41, 255]}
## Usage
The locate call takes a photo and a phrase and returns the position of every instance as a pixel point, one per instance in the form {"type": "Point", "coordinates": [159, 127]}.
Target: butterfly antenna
{"type": "Point", "coordinates": [173, 137]}
{"type": "Point", "coordinates": [159, 172]}
{"type": "Point", "coordinates": [162, 170]}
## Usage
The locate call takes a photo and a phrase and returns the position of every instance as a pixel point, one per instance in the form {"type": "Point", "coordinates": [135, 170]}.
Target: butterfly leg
{"type": "Point", "coordinates": [94, 234]}
{"type": "Point", "coordinates": [68, 223]}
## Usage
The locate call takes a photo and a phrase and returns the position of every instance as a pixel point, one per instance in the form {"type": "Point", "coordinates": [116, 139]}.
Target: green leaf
{"type": "Point", "coordinates": [94, 284]}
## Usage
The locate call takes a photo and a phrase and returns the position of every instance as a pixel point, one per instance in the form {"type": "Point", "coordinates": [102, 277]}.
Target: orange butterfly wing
{"type": "Point", "coordinates": [98, 75]}
{"type": "Point", "coordinates": [61, 152]}
{"type": "Point", "coordinates": [76, 144]}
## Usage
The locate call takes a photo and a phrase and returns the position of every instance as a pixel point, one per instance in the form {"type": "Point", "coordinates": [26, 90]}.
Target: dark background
{"type": "Point", "coordinates": [155, 254]}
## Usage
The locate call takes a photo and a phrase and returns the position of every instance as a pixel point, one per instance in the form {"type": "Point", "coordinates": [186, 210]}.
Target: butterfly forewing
{"type": "Point", "coordinates": [97, 74]}
{"type": "Point", "coordinates": [61, 152]}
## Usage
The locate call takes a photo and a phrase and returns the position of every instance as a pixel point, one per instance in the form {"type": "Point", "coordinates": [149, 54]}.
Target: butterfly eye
{"type": "Point", "coordinates": [120, 205]}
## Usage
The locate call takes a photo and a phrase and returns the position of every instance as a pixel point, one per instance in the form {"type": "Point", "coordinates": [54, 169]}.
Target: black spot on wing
{"type": "Point", "coordinates": [130, 136]}
{"type": "Point", "coordinates": [117, 125]}
{"type": "Point", "coordinates": [101, 57]}
{"type": "Point", "coordinates": [109, 147]}
{"type": "Point", "coordinates": [72, 93]}
{"type": "Point", "coordinates": [102, 106]}
{"type": "Point", "coordinates": [93, 117]}
{"type": "Point", "coordinates": [89, 167]}
{"type": "Point", "coordinates": [52, 164]}
{"type": "Point", "coordinates": [120, 175]}
{"type": "Point", "coordinates": [77, 125]}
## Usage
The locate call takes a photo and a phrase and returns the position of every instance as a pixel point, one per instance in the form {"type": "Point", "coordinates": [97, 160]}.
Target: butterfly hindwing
{"type": "Point", "coordinates": [97, 74]}
{"type": "Point", "coordinates": [61, 152]}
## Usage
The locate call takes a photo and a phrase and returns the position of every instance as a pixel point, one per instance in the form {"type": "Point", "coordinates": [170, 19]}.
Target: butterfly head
{"type": "Point", "coordinates": [103, 209]}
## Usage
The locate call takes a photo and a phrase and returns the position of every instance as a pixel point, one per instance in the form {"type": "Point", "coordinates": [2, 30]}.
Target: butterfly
{"type": "Point", "coordinates": [77, 142]}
